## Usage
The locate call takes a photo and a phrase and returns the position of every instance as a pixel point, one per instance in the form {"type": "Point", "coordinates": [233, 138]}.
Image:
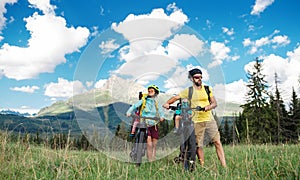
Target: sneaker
{"type": "Point", "coordinates": [131, 135]}
{"type": "Point", "coordinates": [176, 130]}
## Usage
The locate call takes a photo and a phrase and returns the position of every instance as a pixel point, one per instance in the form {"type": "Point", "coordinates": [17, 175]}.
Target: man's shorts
{"type": "Point", "coordinates": [206, 131]}
{"type": "Point", "coordinates": [153, 132]}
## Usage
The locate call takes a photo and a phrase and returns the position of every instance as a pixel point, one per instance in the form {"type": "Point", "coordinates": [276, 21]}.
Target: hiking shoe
{"type": "Point", "coordinates": [176, 131]}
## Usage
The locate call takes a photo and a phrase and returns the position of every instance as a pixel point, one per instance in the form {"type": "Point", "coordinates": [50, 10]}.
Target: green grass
{"type": "Point", "coordinates": [25, 161]}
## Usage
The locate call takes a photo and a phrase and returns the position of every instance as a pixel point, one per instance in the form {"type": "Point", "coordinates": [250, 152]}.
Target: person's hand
{"type": "Point", "coordinates": [167, 106]}
{"type": "Point", "coordinates": [128, 115]}
{"type": "Point", "coordinates": [207, 108]}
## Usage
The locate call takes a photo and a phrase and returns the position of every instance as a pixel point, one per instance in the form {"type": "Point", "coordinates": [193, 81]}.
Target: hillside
{"type": "Point", "coordinates": [98, 108]}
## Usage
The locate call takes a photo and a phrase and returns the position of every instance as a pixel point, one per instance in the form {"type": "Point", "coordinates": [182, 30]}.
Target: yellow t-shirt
{"type": "Point", "coordinates": [199, 98]}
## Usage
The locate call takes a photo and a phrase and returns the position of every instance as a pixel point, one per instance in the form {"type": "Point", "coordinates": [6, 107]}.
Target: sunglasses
{"type": "Point", "coordinates": [197, 77]}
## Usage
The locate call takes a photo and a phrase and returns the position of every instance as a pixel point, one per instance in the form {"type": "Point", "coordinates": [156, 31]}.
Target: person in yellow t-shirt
{"type": "Point", "coordinates": [203, 120]}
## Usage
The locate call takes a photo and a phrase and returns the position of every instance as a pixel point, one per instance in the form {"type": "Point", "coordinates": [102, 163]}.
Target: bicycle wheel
{"type": "Point", "coordinates": [140, 148]}
{"type": "Point", "coordinates": [190, 152]}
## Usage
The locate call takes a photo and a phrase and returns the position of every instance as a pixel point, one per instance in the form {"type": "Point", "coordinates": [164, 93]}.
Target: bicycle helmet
{"type": "Point", "coordinates": [155, 88]}
{"type": "Point", "coordinates": [194, 71]}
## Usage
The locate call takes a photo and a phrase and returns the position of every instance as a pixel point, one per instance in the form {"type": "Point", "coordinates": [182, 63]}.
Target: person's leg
{"type": "Point", "coordinates": [154, 136]}
{"type": "Point", "coordinates": [135, 123]}
{"type": "Point", "coordinates": [200, 155]}
{"type": "Point", "coordinates": [199, 133]}
{"type": "Point", "coordinates": [212, 130]}
{"type": "Point", "coordinates": [177, 121]}
{"type": "Point", "coordinates": [149, 148]}
{"type": "Point", "coordinates": [220, 152]}
{"type": "Point", "coordinates": [154, 142]}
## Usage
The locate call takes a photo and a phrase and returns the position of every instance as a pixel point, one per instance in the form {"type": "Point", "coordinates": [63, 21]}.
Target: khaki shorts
{"type": "Point", "coordinates": [206, 132]}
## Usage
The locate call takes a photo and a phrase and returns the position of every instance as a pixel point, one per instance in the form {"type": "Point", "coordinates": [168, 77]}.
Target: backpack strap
{"type": "Point", "coordinates": [190, 94]}
{"type": "Point", "coordinates": [208, 92]}
{"type": "Point", "coordinates": [142, 107]}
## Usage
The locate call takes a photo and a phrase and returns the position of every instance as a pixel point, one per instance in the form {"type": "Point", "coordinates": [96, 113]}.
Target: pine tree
{"type": "Point", "coordinates": [292, 124]}
{"type": "Point", "coordinates": [240, 128]}
{"type": "Point", "coordinates": [256, 108]}
{"type": "Point", "coordinates": [227, 132]}
{"type": "Point", "coordinates": [278, 113]}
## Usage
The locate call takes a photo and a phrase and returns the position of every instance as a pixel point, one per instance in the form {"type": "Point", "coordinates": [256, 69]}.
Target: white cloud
{"type": "Point", "coordinates": [108, 46]}
{"type": "Point", "coordinates": [27, 89]}
{"type": "Point", "coordinates": [49, 42]}
{"type": "Point", "coordinates": [287, 70]}
{"type": "Point", "coordinates": [184, 46]}
{"type": "Point", "coordinates": [219, 52]}
{"type": "Point", "coordinates": [153, 44]}
{"type": "Point", "coordinates": [44, 6]}
{"type": "Point", "coordinates": [274, 41]}
{"type": "Point", "coordinates": [228, 31]}
{"type": "Point", "coordinates": [262, 41]}
{"type": "Point", "coordinates": [157, 24]}
{"type": "Point", "coordinates": [260, 6]}
{"type": "Point", "coordinates": [280, 41]}
{"type": "Point", "coordinates": [100, 84]}
{"type": "Point", "coordinates": [233, 92]}
{"type": "Point", "coordinates": [247, 42]}
{"type": "Point", "coordinates": [64, 88]}
{"type": "Point", "coordinates": [3, 10]}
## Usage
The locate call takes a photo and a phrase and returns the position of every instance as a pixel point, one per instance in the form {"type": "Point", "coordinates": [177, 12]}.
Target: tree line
{"type": "Point", "coordinates": [265, 117]}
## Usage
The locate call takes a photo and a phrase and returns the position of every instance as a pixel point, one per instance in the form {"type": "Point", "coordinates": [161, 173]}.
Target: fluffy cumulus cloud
{"type": "Point", "coordinates": [50, 40]}
{"type": "Point", "coordinates": [26, 89]}
{"type": "Point", "coordinates": [260, 6]}
{"type": "Point", "coordinates": [219, 52]}
{"type": "Point", "coordinates": [152, 41]}
{"type": "Point", "coordinates": [287, 70]}
{"type": "Point", "coordinates": [232, 92]}
{"type": "Point", "coordinates": [64, 88]}
{"type": "Point", "coordinates": [273, 40]}
{"type": "Point", "coordinates": [183, 46]}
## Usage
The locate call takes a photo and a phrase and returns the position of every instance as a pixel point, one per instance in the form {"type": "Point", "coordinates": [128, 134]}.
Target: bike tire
{"type": "Point", "coordinates": [189, 151]}
{"type": "Point", "coordinates": [192, 151]}
{"type": "Point", "coordinates": [140, 148]}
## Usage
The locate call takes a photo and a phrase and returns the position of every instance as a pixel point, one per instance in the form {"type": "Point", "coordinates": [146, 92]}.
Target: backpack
{"type": "Point", "coordinates": [144, 97]}
{"type": "Point", "coordinates": [191, 93]}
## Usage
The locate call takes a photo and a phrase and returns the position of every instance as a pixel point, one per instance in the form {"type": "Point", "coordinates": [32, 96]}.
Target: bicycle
{"type": "Point", "coordinates": [188, 140]}
{"type": "Point", "coordinates": [140, 146]}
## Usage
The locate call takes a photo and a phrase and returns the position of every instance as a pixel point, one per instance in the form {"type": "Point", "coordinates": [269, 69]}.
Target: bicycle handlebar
{"type": "Point", "coordinates": [198, 108]}
{"type": "Point", "coordinates": [143, 117]}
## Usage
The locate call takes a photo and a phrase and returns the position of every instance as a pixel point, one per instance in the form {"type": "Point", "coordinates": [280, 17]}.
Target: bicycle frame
{"type": "Point", "coordinates": [188, 140]}
{"type": "Point", "coordinates": [139, 147]}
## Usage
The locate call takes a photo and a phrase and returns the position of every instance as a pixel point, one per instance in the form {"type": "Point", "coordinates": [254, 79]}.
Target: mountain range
{"type": "Point", "coordinates": [103, 107]}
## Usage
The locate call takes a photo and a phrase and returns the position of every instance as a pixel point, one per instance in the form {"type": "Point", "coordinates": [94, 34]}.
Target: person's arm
{"type": "Point", "coordinates": [213, 104]}
{"type": "Point", "coordinates": [129, 111]}
{"type": "Point", "coordinates": [171, 101]}
{"type": "Point", "coordinates": [161, 113]}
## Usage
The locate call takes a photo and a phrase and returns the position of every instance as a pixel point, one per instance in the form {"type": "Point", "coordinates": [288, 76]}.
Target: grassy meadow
{"type": "Point", "coordinates": [21, 160]}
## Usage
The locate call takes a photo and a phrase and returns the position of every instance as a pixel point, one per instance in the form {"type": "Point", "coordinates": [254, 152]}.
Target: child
{"type": "Point", "coordinates": [183, 104]}
{"type": "Point", "coordinates": [136, 121]}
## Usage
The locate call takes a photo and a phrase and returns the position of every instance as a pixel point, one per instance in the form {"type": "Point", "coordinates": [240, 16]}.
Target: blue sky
{"type": "Point", "coordinates": [51, 50]}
